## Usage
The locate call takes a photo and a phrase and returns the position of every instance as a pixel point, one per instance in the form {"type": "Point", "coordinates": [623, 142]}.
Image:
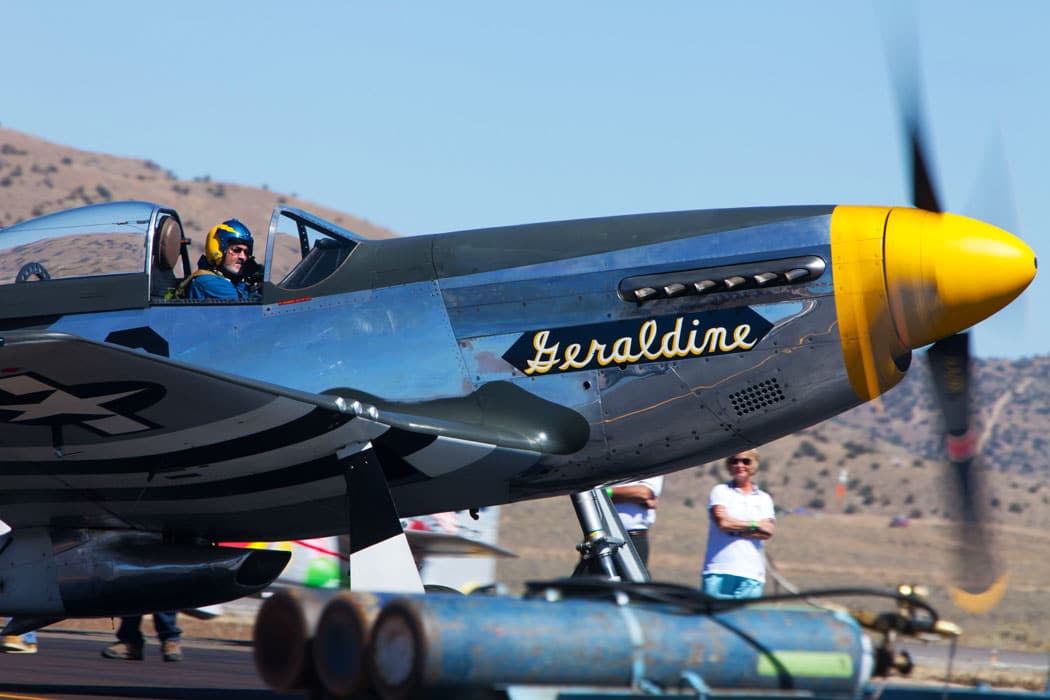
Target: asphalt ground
{"type": "Point", "coordinates": [69, 664]}
{"type": "Point", "coordinates": [218, 663]}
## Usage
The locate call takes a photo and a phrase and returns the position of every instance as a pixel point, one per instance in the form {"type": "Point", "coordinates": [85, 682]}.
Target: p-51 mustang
{"type": "Point", "coordinates": [439, 372]}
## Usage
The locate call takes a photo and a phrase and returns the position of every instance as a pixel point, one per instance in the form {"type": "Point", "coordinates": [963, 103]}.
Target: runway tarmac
{"type": "Point", "coordinates": [69, 665]}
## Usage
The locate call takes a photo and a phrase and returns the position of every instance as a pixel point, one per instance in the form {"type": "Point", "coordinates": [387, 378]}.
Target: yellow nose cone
{"type": "Point", "coordinates": [905, 278]}
{"type": "Point", "coordinates": [946, 273]}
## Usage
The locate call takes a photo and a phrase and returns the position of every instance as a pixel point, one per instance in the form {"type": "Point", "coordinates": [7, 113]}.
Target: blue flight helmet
{"type": "Point", "coordinates": [220, 237]}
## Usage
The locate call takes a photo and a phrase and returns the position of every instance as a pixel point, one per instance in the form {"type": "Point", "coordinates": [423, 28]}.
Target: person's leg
{"type": "Point", "coordinates": [169, 633]}
{"type": "Point", "coordinates": [713, 585]}
{"type": "Point", "coordinates": [18, 644]}
{"type": "Point", "coordinates": [130, 641]}
{"type": "Point", "coordinates": [640, 540]}
{"type": "Point", "coordinates": [747, 587]}
{"type": "Point", "coordinates": [130, 630]}
{"type": "Point", "coordinates": [164, 623]}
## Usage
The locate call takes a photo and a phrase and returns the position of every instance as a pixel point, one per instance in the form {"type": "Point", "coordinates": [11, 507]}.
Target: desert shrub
{"type": "Point", "coordinates": [853, 449]}
{"type": "Point", "coordinates": [808, 449]}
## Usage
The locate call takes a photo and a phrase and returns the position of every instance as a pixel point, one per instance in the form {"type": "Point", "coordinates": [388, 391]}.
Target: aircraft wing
{"type": "Point", "coordinates": [98, 435]}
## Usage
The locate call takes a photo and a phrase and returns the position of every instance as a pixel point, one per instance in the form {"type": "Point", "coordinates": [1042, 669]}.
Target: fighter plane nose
{"type": "Point", "coordinates": [946, 273]}
{"type": "Point", "coordinates": [905, 278]}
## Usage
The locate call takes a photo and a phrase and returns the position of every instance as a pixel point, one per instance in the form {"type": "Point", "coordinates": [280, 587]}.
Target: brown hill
{"type": "Point", "coordinates": [38, 177]}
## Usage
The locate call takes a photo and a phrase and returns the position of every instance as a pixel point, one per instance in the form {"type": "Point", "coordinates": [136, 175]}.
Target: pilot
{"type": "Point", "coordinates": [227, 268]}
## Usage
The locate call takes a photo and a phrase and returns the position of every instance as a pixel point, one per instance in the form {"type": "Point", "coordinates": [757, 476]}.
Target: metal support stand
{"type": "Point", "coordinates": [606, 549]}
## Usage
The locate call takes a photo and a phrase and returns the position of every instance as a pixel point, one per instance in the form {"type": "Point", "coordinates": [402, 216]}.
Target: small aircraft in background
{"type": "Point", "coordinates": [452, 550]}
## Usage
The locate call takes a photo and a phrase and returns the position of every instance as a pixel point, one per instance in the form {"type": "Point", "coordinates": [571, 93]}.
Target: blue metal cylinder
{"type": "Point", "coordinates": [341, 637]}
{"type": "Point", "coordinates": [460, 642]}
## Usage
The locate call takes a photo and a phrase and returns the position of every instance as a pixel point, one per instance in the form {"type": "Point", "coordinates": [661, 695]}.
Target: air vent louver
{"type": "Point", "coordinates": [756, 397]}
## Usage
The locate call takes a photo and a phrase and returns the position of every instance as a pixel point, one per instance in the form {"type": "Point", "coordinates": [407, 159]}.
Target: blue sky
{"type": "Point", "coordinates": [427, 117]}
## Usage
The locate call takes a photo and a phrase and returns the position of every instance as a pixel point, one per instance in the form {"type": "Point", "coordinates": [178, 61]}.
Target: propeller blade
{"type": "Point", "coordinates": [982, 579]}
{"type": "Point", "coordinates": [924, 193]}
{"type": "Point", "coordinates": [901, 41]}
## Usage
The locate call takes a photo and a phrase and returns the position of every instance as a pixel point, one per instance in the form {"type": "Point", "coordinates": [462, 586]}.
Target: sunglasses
{"type": "Point", "coordinates": [746, 461]}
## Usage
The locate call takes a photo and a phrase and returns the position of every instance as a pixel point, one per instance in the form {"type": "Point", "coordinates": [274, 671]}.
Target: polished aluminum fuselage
{"type": "Point", "coordinates": [433, 317]}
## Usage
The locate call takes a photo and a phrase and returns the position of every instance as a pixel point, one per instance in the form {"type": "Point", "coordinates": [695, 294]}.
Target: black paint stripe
{"type": "Point", "coordinates": [403, 442]}
{"type": "Point", "coordinates": [289, 477]}
{"type": "Point", "coordinates": [318, 422]}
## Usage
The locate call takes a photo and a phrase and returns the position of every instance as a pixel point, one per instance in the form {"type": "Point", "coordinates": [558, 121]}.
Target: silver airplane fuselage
{"type": "Point", "coordinates": [516, 363]}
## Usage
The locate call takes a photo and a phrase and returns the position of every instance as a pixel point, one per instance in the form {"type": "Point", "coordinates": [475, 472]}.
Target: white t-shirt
{"type": "Point", "coordinates": [729, 554]}
{"type": "Point", "coordinates": [634, 516]}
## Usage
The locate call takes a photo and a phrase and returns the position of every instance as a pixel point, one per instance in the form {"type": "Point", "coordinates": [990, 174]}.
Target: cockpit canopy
{"type": "Point", "coordinates": [125, 255]}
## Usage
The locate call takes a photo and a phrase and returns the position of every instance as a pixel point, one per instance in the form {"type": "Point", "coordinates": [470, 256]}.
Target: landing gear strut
{"type": "Point", "coordinates": [606, 550]}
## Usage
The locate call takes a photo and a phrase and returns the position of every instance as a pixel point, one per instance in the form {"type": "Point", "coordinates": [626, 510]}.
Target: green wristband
{"type": "Point", "coordinates": [754, 526]}
{"type": "Point", "coordinates": [608, 491]}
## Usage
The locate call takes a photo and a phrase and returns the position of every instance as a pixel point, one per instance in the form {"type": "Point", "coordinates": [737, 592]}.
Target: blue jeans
{"type": "Point", "coordinates": [163, 623]}
{"type": "Point", "coordinates": [730, 586]}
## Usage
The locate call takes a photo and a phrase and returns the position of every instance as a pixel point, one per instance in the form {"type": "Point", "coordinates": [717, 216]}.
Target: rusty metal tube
{"type": "Point", "coordinates": [283, 638]}
{"type": "Point", "coordinates": [459, 643]}
{"type": "Point", "coordinates": [341, 640]}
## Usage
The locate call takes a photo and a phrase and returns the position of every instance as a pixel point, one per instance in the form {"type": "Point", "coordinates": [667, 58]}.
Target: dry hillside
{"type": "Point", "coordinates": [38, 177]}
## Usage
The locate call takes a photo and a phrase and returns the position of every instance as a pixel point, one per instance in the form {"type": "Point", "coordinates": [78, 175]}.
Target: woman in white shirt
{"type": "Point", "coordinates": [742, 518]}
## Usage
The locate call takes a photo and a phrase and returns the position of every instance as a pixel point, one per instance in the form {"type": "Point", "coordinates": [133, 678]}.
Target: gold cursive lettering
{"type": "Point", "coordinates": [545, 357]}
{"type": "Point", "coordinates": [669, 347]}
{"type": "Point", "coordinates": [630, 349]}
